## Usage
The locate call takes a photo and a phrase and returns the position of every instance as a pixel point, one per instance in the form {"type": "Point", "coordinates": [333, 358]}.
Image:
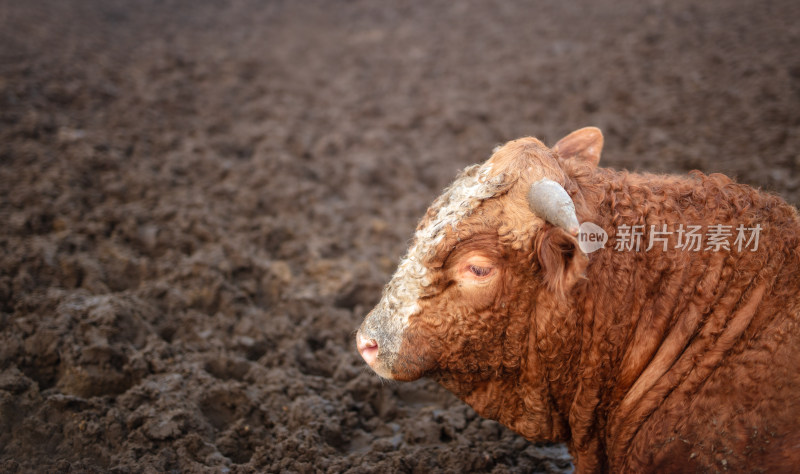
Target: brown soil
{"type": "Point", "coordinates": [200, 200]}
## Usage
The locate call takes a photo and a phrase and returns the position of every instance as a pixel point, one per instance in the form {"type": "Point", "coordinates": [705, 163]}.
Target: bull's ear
{"type": "Point", "coordinates": [562, 261]}
{"type": "Point", "coordinates": [585, 144]}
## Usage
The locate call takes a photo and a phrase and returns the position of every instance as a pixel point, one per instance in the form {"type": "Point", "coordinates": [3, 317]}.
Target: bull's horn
{"type": "Point", "coordinates": [550, 201]}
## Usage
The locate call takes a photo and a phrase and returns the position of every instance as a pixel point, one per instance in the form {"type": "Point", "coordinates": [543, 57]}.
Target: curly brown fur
{"type": "Point", "coordinates": [641, 361]}
{"type": "Point", "coordinates": [680, 342]}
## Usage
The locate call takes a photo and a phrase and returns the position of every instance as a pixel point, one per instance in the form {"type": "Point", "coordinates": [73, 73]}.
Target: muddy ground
{"type": "Point", "coordinates": [199, 201]}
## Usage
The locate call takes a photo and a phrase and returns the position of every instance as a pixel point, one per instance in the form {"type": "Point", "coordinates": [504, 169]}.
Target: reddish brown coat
{"type": "Point", "coordinates": [658, 361]}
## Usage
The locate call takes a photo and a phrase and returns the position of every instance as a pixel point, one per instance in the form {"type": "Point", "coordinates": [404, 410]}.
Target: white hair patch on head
{"type": "Point", "coordinates": [387, 322]}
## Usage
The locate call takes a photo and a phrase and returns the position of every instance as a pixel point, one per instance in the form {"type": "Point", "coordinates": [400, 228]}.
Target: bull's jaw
{"type": "Point", "coordinates": [523, 407]}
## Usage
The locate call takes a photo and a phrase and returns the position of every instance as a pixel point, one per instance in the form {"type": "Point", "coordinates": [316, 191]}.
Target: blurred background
{"type": "Point", "coordinates": [200, 200]}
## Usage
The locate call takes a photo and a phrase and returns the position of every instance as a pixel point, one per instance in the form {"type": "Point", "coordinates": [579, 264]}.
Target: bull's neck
{"type": "Point", "coordinates": [625, 311]}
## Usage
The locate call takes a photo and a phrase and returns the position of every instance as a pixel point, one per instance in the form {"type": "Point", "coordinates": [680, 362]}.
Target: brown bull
{"type": "Point", "coordinates": [673, 348]}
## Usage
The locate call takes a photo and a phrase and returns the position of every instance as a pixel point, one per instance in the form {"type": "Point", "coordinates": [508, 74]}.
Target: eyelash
{"type": "Point", "coordinates": [480, 271]}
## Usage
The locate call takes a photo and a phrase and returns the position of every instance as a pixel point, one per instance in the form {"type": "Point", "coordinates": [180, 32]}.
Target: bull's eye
{"type": "Point", "coordinates": [480, 271]}
{"type": "Point", "coordinates": [476, 268]}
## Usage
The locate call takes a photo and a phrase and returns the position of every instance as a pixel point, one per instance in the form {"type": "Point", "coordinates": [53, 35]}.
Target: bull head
{"type": "Point", "coordinates": [463, 255]}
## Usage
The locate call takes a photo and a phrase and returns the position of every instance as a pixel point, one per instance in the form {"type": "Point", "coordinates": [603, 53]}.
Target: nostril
{"type": "Point", "coordinates": [368, 348]}
{"type": "Point", "coordinates": [366, 344]}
